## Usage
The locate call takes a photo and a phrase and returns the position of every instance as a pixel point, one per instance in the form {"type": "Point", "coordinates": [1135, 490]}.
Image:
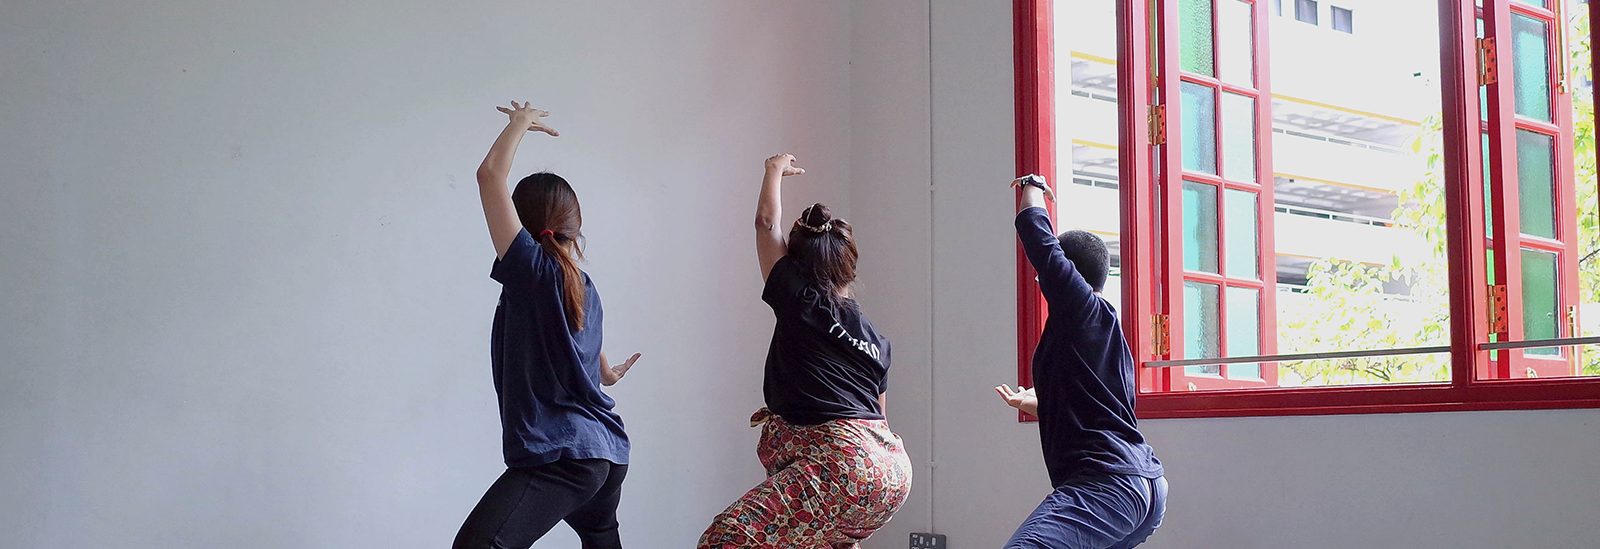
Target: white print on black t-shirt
{"type": "Point", "coordinates": [871, 349]}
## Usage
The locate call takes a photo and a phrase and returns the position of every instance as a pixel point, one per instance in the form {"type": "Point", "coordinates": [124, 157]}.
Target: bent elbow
{"type": "Point", "coordinates": [766, 222]}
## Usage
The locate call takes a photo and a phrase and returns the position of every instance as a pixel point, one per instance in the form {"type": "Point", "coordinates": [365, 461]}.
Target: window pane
{"type": "Point", "coordinates": [1531, 61]}
{"type": "Point", "coordinates": [1244, 330]}
{"type": "Point", "coordinates": [1343, 19]}
{"type": "Point", "coordinates": [1536, 178]}
{"type": "Point", "coordinates": [1200, 337]}
{"type": "Point", "coordinates": [1243, 222]}
{"type": "Point", "coordinates": [1239, 137]}
{"type": "Point", "coordinates": [1541, 310]}
{"type": "Point", "coordinates": [1540, 3]}
{"type": "Point", "coordinates": [1199, 227]}
{"type": "Point", "coordinates": [1358, 228]}
{"type": "Point", "coordinates": [1199, 128]}
{"type": "Point", "coordinates": [1194, 29]}
{"type": "Point", "coordinates": [1305, 11]}
{"type": "Point", "coordinates": [1237, 62]}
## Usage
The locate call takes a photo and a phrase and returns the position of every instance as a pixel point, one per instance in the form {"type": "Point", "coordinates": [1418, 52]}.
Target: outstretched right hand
{"type": "Point", "coordinates": [783, 164]}
{"type": "Point", "coordinates": [529, 117]}
{"type": "Point", "coordinates": [1026, 400]}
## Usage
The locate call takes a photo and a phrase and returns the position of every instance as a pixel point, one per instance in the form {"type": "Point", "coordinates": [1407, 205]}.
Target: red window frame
{"type": "Point", "coordinates": [1507, 241]}
{"type": "Point", "coordinates": [1466, 246]}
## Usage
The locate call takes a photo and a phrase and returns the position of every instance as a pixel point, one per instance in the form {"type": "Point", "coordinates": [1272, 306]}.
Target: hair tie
{"type": "Point", "coordinates": [546, 232]}
{"type": "Point", "coordinates": [824, 227]}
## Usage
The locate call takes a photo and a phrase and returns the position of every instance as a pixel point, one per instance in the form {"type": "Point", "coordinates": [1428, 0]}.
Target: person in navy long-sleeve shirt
{"type": "Point", "coordinates": [1110, 491]}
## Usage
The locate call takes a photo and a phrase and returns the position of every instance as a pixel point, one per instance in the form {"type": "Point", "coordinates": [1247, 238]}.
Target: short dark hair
{"type": "Point", "coordinates": [1088, 253]}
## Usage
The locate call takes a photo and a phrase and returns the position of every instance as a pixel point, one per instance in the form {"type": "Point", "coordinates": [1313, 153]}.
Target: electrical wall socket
{"type": "Point", "coordinates": [927, 541]}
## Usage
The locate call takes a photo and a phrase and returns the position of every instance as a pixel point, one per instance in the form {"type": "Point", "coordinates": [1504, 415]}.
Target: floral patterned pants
{"type": "Point", "coordinates": [828, 486]}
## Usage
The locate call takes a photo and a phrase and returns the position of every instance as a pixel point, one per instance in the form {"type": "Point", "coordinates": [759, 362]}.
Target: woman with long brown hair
{"type": "Point", "coordinates": [565, 450]}
{"type": "Point", "coordinates": [835, 472]}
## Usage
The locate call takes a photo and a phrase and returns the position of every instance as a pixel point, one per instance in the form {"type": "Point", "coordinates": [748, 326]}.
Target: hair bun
{"type": "Point", "coordinates": [816, 219]}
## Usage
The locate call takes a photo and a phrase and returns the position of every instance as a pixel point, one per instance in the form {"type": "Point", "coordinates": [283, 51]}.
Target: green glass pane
{"type": "Point", "coordinates": [1540, 3]}
{"type": "Point", "coordinates": [1488, 194]}
{"type": "Point", "coordinates": [1238, 137]}
{"type": "Point", "coordinates": [1235, 55]}
{"type": "Point", "coordinates": [1199, 128]}
{"type": "Point", "coordinates": [1541, 309]}
{"type": "Point", "coordinates": [1244, 330]}
{"type": "Point", "coordinates": [1200, 334]}
{"type": "Point", "coordinates": [1242, 221]}
{"type": "Point", "coordinates": [1531, 62]}
{"type": "Point", "coordinates": [1199, 227]}
{"type": "Point", "coordinates": [1194, 37]}
{"type": "Point", "coordinates": [1536, 177]}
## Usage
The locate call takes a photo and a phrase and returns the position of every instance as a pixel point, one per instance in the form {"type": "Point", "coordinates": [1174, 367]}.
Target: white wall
{"type": "Point", "coordinates": [1482, 479]}
{"type": "Point", "coordinates": [244, 301]}
{"type": "Point", "coordinates": [244, 293]}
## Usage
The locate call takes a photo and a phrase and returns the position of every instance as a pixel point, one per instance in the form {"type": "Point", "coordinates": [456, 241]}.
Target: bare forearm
{"type": "Point", "coordinates": [1032, 197]}
{"type": "Point", "coordinates": [497, 165]}
{"type": "Point", "coordinates": [769, 207]}
{"type": "Point", "coordinates": [497, 208]}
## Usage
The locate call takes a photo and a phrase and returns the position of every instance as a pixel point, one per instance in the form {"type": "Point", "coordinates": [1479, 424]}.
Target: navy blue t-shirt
{"type": "Point", "coordinates": [825, 362]}
{"type": "Point", "coordinates": [1083, 373]}
{"type": "Point", "coordinates": [547, 375]}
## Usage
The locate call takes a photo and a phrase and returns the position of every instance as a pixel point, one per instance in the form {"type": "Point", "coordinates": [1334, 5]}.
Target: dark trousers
{"type": "Point", "coordinates": [526, 502]}
{"type": "Point", "coordinates": [1095, 511]}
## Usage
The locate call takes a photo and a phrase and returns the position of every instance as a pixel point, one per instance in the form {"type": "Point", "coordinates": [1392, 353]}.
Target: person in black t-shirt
{"type": "Point", "coordinates": [565, 451]}
{"type": "Point", "coordinates": [835, 472]}
{"type": "Point", "coordinates": [1110, 491]}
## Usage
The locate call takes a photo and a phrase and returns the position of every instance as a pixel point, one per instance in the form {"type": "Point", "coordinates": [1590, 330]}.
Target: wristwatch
{"type": "Point", "coordinates": [1033, 180]}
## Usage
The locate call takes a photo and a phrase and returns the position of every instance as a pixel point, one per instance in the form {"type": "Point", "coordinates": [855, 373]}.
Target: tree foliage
{"type": "Point", "coordinates": [1345, 306]}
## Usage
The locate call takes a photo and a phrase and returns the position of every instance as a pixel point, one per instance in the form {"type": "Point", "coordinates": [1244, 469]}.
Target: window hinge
{"type": "Point", "coordinates": [1488, 67]}
{"type": "Point", "coordinates": [1158, 124]}
{"type": "Point", "coordinates": [1160, 335]}
{"type": "Point", "coordinates": [1497, 308]}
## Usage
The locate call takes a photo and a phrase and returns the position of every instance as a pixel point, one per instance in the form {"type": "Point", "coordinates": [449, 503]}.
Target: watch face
{"type": "Point", "coordinates": [1034, 180]}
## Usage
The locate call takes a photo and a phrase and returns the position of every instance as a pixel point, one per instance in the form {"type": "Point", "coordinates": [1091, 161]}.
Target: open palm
{"type": "Point", "coordinates": [1024, 400]}
{"type": "Point", "coordinates": [609, 375]}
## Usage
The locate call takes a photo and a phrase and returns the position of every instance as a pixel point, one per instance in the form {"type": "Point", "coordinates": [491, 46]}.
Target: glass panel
{"type": "Point", "coordinates": [1305, 11]}
{"type": "Point", "coordinates": [1244, 250]}
{"type": "Point", "coordinates": [1541, 309]}
{"type": "Point", "coordinates": [1194, 37]}
{"type": "Point", "coordinates": [1199, 128]}
{"type": "Point", "coordinates": [1244, 330]}
{"type": "Point", "coordinates": [1200, 337]}
{"type": "Point", "coordinates": [1086, 123]}
{"type": "Point", "coordinates": [1536, 180]}
{"type": "Point", "coordinates": [1343, 19]}
{"type": "Point", "coordinates": [1488, 191]}
{"type": "Point", "coordinates": [1199, 227]}
{"type": "Point", "coordinates": [1236, 63]}
{"type": "Point", "coordinates": [1239, 137]}
{"type": "Point", "coordinates": [1356, 164]}
{"type": "Point", "coordinates": [1531, 61]}
{"type": "Point", "coordinates": [1540, 3]}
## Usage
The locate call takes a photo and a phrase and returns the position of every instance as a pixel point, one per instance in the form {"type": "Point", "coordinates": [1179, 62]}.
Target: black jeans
{"type": "Point", "coordinates": [526, 502]}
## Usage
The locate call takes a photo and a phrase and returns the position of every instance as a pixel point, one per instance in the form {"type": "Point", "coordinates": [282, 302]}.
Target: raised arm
{"type": "Point", "coordinates": [1059, 280]}
{"type": "Point", "coordinates": [771, 243]}
{"type": "Point", "coordinates": [496, 167]}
